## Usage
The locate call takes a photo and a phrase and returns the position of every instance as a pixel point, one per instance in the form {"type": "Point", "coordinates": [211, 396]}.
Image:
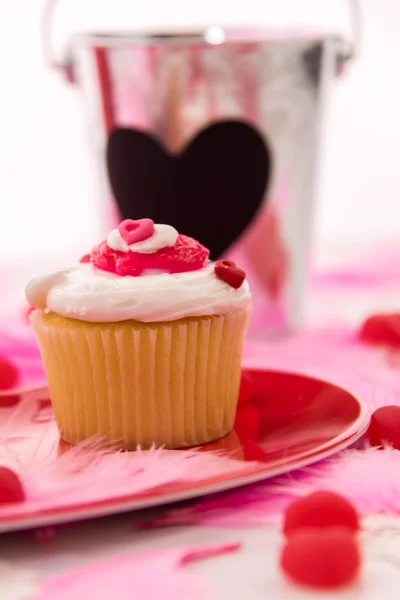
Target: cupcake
{"type": "Point", "coordinates": [142, 341]}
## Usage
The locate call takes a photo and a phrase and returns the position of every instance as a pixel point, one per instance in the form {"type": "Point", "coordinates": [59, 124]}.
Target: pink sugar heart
{"type": "Point", "coordinates": [136, 231]}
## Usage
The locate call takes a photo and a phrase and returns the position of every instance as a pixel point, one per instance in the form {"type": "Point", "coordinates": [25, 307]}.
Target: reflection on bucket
{"type": "Point", "coordinates": [216, 133]}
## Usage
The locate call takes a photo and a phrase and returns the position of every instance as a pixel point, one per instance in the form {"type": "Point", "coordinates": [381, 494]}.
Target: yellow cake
{"type": "Point", "coordinates": [142, 345]}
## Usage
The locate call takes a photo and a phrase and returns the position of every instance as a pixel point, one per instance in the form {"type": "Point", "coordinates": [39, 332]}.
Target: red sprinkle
{"type": "Point", "coordinates": [85, 258]}
{"type": "Point", "coordinates": [11, 490]}
{"type": "Point", "coordinates": [328, 558]}
{"type": "Point", "coordinates": [320, 509]}
{"type": "Point", "coordinates": [382, 329]}
{"type": "Point", "coordinates": [385, 427]}
{"type": "Point", "coordinates": [136, 231]}
{"type": "Point", "coordinates": [9, 374]}
{"type": "Point", "coordinates": [230, 273]}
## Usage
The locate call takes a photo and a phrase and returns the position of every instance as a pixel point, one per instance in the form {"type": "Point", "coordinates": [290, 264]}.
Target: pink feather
{"type": "Point", "coordinates": [151, 576]}
{"type": "Point", "coordinates": [86, 474]}
{"type": "Point", "coordinates": [369, 478]}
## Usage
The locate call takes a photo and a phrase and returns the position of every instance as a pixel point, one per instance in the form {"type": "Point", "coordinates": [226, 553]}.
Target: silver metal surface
{"type": "Point", "coordinates": [348, 48]}
{"type": "Point", "coordinates": [174, 86]}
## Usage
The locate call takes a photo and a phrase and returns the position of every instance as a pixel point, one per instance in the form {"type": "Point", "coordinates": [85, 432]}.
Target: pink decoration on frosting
{"type": "Point", "coordinates": [186, 255]}
{"type": "Point", "coordinates": [228, 271]}
{"type": "Point", "coordinates": [151, 576]}
{"type": "Point", "coordinates": [136, 231]}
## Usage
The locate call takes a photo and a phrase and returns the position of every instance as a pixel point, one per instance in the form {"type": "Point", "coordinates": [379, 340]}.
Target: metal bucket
{"type": "Point", "coordinates": [217, 133]}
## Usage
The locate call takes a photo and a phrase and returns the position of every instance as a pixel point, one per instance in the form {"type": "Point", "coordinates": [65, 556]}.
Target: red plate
{"type": "Point", "coordinates": [290, 421]}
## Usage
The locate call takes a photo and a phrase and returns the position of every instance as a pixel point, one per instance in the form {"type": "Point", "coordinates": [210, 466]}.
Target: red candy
{"type": "Point", "coordinates": [327, 558]}
{"type": "Point", "coordinates": [9, 374]}
{"type": "Point", "coordinates": [382, 329]}
{"type": "Point", "coordinates": [136, 231]}
{"type": "Point", "coordinates": [186, 255]}
{"type": "Point", "coordinates": [230, 273]}
{"type": "Point", "coordinates": [11, 489]}
{"type": "Point", "coordinates": [85, 258]}
{"type": "Point", "coordinates": [318, 510]}
{"type": "Point", "coordinates": [385, 427]}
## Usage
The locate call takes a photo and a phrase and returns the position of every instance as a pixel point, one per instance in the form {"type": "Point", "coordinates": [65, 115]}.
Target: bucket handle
{"type": "Point", "coordinates": [350, 49]}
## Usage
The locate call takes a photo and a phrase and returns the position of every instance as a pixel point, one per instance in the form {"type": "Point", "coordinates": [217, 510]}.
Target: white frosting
{"type": "Point", "coordinates": [91, 294]}
{"type": "Point", "coordinates": [163, 237]}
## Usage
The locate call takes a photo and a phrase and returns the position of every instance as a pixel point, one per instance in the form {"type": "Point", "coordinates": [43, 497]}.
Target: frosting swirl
{"type": "Point", "coordinates": [90, 294]}
{"type": "Point", "coordinates": [144, 272]}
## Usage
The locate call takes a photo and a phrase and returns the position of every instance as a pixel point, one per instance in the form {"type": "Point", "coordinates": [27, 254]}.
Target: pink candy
{"type": "Point", "coordinates": [186, 255]}
{"type": "Point", "coordinates": [136, 231]}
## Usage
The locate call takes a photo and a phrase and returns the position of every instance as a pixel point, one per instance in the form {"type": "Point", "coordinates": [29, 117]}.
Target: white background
{"type": "Point", "coordinates": [46, 197]}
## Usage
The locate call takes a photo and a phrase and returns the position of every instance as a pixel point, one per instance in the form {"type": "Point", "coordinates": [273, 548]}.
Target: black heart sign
{"type": "Point", "coordinates": [211, 191]}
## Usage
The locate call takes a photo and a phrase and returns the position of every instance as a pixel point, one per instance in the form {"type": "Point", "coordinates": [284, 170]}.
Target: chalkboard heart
{"type": "Point", "coordinates": [211, 191]}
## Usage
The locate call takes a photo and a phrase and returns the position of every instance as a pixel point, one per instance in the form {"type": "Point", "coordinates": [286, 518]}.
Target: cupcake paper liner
{"type": "Point", "coordinates": [172, 384]}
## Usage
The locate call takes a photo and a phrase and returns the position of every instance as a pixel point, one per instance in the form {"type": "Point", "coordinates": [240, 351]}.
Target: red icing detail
{"type": "Point", "coordinates": [186, 255]}
{"type": "Point", "coordinates": [385, 427]}
{"type": "Point", "coordinates": [85, 258]}
{"type": "Point", "coordinates": [230, 273]}
{"type": "Point", "coordinates": [136, 231]}
{"type": "Point", "coordinates": [322, 558]}
{"type": "Point", "coordinates": [9, 374]}
{"type": "Point", "coordinates": [382, 329]}
{"type": "Point", "coordinates": [320, 509]}
{"type": "Point", "coordinates": [11, 489]}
